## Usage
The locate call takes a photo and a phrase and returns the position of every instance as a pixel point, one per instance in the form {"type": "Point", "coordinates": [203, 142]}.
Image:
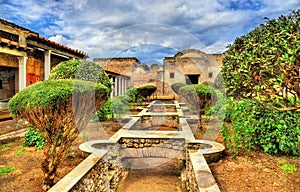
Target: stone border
{"type": "Point", "coordinates": [202, 179]}
{"type": "Point", "coordinates": [72, 178]}
{"type": "Point", "coordinates": [198, 152]}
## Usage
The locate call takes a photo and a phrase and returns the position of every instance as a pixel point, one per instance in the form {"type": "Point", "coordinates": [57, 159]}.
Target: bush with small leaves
{"type": "Point", "coordinates": [146, 91]}
{"type": "Point", "coordinates": [264, 65]}
{"type": "Point", "coordinates": [59, 109]}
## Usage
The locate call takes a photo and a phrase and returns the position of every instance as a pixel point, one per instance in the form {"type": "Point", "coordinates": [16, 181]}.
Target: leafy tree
{"type": "Point", "coordinates": [264, 65]}
{"type": "Point", "coordinates": [200, 96]}
{"type": "Point", "coordinates": [59, 109]}
{"type": "Point", "coordinates": [146, 91]}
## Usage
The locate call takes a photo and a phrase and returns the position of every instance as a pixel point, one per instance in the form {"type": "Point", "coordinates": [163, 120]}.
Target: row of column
{"type": "Point", "coordinates": [119, 87]}
{"type": "Point", "coordinates": [22, 68]}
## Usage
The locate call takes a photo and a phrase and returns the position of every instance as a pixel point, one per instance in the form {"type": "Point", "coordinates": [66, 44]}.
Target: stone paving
{"type": "Point", "coordinates": [199, 174]}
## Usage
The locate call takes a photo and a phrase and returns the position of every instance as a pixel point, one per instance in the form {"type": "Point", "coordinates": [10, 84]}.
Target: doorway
{"type": "Point", "coordinates": [192, 79]}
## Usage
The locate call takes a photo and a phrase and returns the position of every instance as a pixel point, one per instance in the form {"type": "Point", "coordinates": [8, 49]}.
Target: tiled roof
{"type": "Point", "coordinates": [41, 39]}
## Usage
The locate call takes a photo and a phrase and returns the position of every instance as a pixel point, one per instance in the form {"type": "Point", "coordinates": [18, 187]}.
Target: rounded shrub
{"type": "Point", "coordinates": [80, 70]}
{"type": "Point", "coordinates": [146, 91]}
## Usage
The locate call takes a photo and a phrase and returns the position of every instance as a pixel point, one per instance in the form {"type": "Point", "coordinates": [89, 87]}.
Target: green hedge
{"type": "Point", "coordinates": [254, 127]}
{"type": "Point", "coordinates": [51, 92]}
{"type": "Point", "coordinates": [80, 70]}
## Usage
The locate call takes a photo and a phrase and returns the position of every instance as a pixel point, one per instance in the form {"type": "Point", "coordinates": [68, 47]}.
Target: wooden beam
{"type": "Point", "coordinates": [12, 51]}
{"type": "Point", "coordinates": [55, 50]}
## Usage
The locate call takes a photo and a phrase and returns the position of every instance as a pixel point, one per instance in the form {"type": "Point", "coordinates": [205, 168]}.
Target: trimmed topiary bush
{"type": "Point", "coordinates": [146, 91]}
{"type": "Point", "coordinates": [81, 70]}
{"type": "Point", "coordinates": [199, 96]}
{"type": "Point", "coordinates": [59, 109]}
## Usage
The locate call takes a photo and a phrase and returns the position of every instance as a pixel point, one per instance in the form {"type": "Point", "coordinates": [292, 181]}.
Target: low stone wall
{"type": "Point", "coordinates": [145, 121]}
{"type": "Point", "coordinates": [198, 176]}
{"type": "Point", "coordinates": [139, 148]}
{"type": "Point", "coordinates": [95, 173]}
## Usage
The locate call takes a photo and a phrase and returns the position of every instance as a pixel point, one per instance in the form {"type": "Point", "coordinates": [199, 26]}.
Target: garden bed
{"type": "Point", "coordinates": [256, 172]}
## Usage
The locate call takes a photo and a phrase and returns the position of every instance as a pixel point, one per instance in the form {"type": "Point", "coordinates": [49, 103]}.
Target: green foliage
{"type": "Point", "coordinates": [6, 170]}
{"type": "Point", "coordinates": [105, 112]}
{"type": "Point", "coordinates": [264, 65]}
{"type": "Point", "coordinates": [33, 138]}
{"type": "Point", "coordinates": [254, 127]}
{"type": "Point", "coordinates": [146, 91]}
{"type": "Point", "coordinates": [287, 168]}
{"type": "Point", "coordinates": [222, 108]}
{"type": "Point", "coordinates": [119, 106]}
{"type": "Point", "coordinates": [81, 70]}
{"type": "Point", "coordinates": [133, 95]}
{"type": "Point", "coordinates": [219, 83]}
{"type": "Point", "coordinates": [176, 86]}
{"type": "Point", "coordinates": [51, 92]}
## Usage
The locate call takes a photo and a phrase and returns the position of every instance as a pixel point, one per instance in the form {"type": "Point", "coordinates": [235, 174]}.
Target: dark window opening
{"type": "Point", "coordinates": [171, 75]}
{"type": "Point", "coordinates": [192, 79]}
{"type": "Point", "coordinates": [1, 85]}
{"type": "Point", "coordinates": [210, 75]}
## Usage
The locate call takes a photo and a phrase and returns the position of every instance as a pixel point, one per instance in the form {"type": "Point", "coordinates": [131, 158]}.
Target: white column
{"type": "Point", "coordinates": [47, 64]}
{"type": "Point", "coordinates": [112, 87]}
{"type": "Point", "coordinates": [22, 72]}
{"type": "Point", "coordinates": [116, 85]}
{"type": "Point", "coordinates": [119, 86]}
{"type": "Point", "coordinates": [124, 85]}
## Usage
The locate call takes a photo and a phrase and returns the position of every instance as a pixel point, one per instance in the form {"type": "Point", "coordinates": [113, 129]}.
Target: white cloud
{"type": "Point", "coordinates": [104, 28]}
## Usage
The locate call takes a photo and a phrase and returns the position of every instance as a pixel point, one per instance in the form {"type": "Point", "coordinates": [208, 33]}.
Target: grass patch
{"type": "Point", "coordinates": [10, 143]}
{"type": "Point", "coordinates": [6, 170]}
{"type": "Point", "coordinates": [20, 150]}
{"type": "Point", "coordinates": [6, 145]}
{"type": "Point", "coordinates": [288, 168]}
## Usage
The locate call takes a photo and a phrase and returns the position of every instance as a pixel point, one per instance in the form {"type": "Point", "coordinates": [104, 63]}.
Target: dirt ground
{"type": "Point", "coordinates": [257, 172]}
{"type": "Point", "coordinates": [27, 175]}
{"type": "Point", "coordinates": [163, 178]}
{"type": "Point", "coordinates": [248, 172]}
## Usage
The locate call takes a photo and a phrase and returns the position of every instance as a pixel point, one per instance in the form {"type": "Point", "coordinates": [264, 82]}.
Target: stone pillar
{"type": "Point", "coordinates": [22, 72]}
{"type": "Point", "coordinates": [120, 86]}
{"type": "Point", "coordinates": [116, 85]}
{"type": "Point", "coordinates": [47, 64]}
{"type": "Point", "coordinates": [112, 87]}
{"type": "Point", "coordinates": [124, 85]}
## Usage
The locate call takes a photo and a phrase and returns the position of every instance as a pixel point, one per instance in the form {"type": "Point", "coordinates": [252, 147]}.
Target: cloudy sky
{"type": "Point", "coordinates": [149, 30]}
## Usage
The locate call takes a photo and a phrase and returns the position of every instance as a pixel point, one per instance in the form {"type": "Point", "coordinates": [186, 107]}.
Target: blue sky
{"type": "Point", "coordinates": [149, 30]}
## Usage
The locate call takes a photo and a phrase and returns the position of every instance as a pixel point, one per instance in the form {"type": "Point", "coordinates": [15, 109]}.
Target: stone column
{"type": "Point", "coordinates": [22, 72]}
{"type": "Point", "coordinates": [121, 87]}
{"type": "Point", "coordinates": [112, 87]}
{"type": "Point", "coordinates": [47, 64]}
{"type": "Point", "coordinates": [116, 85]}
{"type": "Point", "coordinates": [125, 85]}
